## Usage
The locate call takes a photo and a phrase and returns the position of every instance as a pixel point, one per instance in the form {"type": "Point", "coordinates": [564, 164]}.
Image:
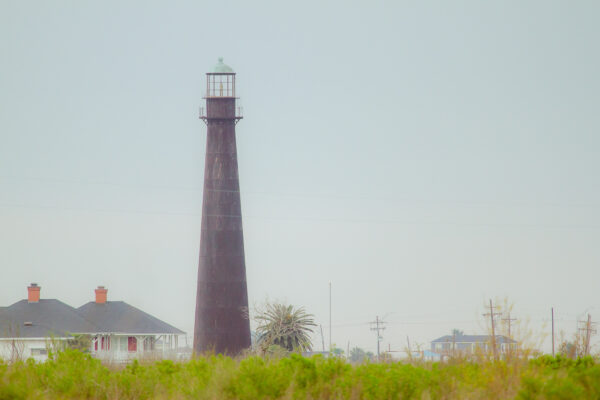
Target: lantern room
{"type": "Point", "coordinates": [221, 81]}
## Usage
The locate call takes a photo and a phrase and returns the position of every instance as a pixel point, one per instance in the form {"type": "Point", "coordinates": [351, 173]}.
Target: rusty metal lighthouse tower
{"type": "Point", "coordinates": [222, 295]}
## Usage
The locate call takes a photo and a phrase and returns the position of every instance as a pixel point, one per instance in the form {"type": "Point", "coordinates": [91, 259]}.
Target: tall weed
{"type": "Point", "coordinates": [71, 374]}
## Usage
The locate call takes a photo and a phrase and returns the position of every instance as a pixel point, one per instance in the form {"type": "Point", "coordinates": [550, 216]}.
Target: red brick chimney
{"type": "Point", "coordinates": [101, 295]}
{"type": "Point", "coordinates": [33, 293]}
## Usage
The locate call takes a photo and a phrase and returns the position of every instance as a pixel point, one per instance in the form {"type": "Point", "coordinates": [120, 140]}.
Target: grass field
{"type": "Point", "coordinates": [74, 375]}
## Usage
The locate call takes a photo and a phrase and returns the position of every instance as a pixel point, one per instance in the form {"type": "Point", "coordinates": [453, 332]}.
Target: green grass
{"type": "Point", "coordinates": [73, 375]}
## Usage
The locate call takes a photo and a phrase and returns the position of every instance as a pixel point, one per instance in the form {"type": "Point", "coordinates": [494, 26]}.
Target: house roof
{"type": "Point", "coordinates": [48, 317]}
{"type": "Point", "coordinates": [472, 339]}
{"type": "Point", "coordinates": [120, 317]}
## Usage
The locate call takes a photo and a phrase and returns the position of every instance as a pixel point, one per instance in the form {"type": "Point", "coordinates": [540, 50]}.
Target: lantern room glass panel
{"type": "Point", "coordinates": [220, 85]}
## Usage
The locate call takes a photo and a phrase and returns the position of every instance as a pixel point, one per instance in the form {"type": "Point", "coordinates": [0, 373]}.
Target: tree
{"type": "Point", "coordinates": [572, 348]}
{"type": "Point", "coordinates": [457, 332]}
{"type": "Point", "coordinates": [285, 326]}
{"type": "Point", "coordinates": [568, 349]}
{"type": "Point", "coordinates": [336, 351]}
{"type": "Point", "coordinates": [80, 342]}
{"type": "Point", "coordinates": [358, 355]}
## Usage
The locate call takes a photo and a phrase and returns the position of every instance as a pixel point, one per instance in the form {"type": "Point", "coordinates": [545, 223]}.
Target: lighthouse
{"type": "Point", "coordinates": [221, 323]}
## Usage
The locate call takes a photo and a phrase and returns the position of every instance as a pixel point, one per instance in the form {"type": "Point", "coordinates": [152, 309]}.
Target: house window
{"type": "Point", "coordinates": [131, 343]}
{"type": "Point", "coordinates": [102, 345]}
{"type": "Point", "coordinates": [39, 352]}
{"type": "Point", "coordinates": [96, 345]}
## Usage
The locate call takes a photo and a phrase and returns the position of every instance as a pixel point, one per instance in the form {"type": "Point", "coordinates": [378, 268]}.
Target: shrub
{"type": "Point", "coordinates": [71, 374]}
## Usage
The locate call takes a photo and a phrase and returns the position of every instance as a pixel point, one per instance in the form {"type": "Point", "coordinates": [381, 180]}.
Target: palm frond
{"type": "Point", "coordinates": [285, 326]}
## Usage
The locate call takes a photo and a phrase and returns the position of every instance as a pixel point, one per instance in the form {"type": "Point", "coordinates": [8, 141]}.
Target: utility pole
{"type": "Point", "coordinates": [378, 327]}
{"type": "Point", "coordinates": [509, 320]}
{"type": "Point", "coordinates": [330, 318]}
{"type": "Point", "coordinates": [491, 314]}
{"type": "Point", "coordinates": [552, 331]}
{"type": "Point", "coordinates": [589, 331]}
{"type": "Point", "coordinates": [322, 338]}
{"type": "Point", "coordinates": [453, 341]}
{"type": "Point", "coordinates": [348, 350]}
{"type": "Point", "coordinates": [408, 350]}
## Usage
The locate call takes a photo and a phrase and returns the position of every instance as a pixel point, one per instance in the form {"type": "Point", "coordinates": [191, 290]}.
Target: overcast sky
{"type": "Point", "coordinates": [422, 156]}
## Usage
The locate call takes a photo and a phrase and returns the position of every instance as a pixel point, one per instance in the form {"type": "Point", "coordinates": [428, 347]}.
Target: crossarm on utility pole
{"type": "Point", "coordinates": [491, 314]}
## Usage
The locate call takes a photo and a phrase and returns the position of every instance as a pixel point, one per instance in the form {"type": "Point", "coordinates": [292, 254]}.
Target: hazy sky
{"type": "Point", "coordinates": [423, 156]}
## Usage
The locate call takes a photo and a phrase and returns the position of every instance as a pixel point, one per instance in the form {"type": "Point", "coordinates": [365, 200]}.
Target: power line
{"type": "Point", "coordinates": [304, 195]}
{"type": "Point", "coordinates": [101, 183]}
{"type": "Point", "coordinates": [310, 219]}
{"type": "Point", "coordinates": [441, 322]}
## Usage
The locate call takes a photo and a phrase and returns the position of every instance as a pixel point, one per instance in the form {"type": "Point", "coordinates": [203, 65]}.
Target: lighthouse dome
{"type": "Point", "coordinates": [222, 68]}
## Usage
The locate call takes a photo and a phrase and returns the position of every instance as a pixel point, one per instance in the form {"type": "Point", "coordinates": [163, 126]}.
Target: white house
{"type": "Point", "coordinates": [470, 344]}
{"type": "Point", "coordinates": [118, 331]}
{"type": "Point", "coordinates": [125, 332]}
{"type": "Point", "coordinates": [29, 328]}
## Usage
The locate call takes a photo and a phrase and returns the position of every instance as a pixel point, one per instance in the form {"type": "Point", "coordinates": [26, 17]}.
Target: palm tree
{"type": "Point", "coordinates": [284, 326]}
